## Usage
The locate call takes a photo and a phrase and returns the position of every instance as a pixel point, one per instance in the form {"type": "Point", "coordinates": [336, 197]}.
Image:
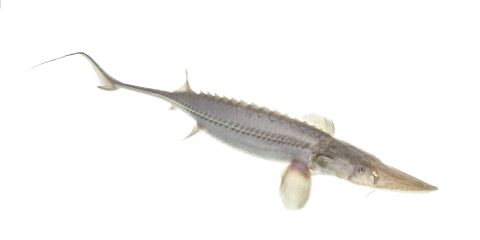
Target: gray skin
{"type": "Point", "coordinates": [268, 134]}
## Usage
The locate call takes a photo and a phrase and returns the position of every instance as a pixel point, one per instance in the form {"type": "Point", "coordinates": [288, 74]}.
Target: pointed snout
{"type": "Point", "coordinates": [393, 179]}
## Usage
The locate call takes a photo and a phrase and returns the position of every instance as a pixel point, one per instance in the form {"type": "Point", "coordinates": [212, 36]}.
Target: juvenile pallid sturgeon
{"type": "Point", "coordinates": [310, 148]}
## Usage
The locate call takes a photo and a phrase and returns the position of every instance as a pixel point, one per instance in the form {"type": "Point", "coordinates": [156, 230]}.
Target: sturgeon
{"type": "Point", "coordinates": [309, 146]}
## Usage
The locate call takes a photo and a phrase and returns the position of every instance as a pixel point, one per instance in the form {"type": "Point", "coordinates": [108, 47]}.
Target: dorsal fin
{"type": "Point", "coordinates": [186, 85]}
{"type": "Point", "coordinates": [320, 122]}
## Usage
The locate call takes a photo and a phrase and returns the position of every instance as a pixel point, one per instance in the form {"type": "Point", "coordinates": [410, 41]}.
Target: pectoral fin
{"type": "Point", "coordinates": [320, 122]}
{"type": "Point", "coordinates": [295, 186]}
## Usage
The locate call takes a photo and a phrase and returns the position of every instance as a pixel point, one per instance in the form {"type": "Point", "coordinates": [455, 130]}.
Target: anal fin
{"type": "Point", "coordinates": [295, 186]}
{"type": "Point", "coordinates": [194, 131]}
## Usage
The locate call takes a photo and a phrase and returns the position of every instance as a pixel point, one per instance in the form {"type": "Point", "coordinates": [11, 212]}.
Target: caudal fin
{"type": "Point", "coordinates": [107, 82]}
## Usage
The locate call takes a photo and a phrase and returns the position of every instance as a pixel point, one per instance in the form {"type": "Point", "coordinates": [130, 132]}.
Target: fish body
{"type": "Point", "coordinates": [246, 127]}
{"type": "Point", "coordinates": [308, 146]}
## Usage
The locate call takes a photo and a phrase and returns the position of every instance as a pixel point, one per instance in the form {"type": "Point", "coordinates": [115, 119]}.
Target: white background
{"type": "Point", "coordinates": [400, 80]}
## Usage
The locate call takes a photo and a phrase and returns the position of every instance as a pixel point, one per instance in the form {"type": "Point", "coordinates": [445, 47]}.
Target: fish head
{"type": "Point", "coordinates": [350, 163]}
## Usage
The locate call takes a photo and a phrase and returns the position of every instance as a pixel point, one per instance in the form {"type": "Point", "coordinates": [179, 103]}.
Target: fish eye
{"type": "Point", "coordinates": [361, 170]}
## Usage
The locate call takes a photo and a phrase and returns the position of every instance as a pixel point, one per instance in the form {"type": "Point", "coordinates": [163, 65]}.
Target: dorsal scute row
{"type": "Point", "coordinates": [303, 126]}
{"type": "Point", "coordinates": [251, 106]}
